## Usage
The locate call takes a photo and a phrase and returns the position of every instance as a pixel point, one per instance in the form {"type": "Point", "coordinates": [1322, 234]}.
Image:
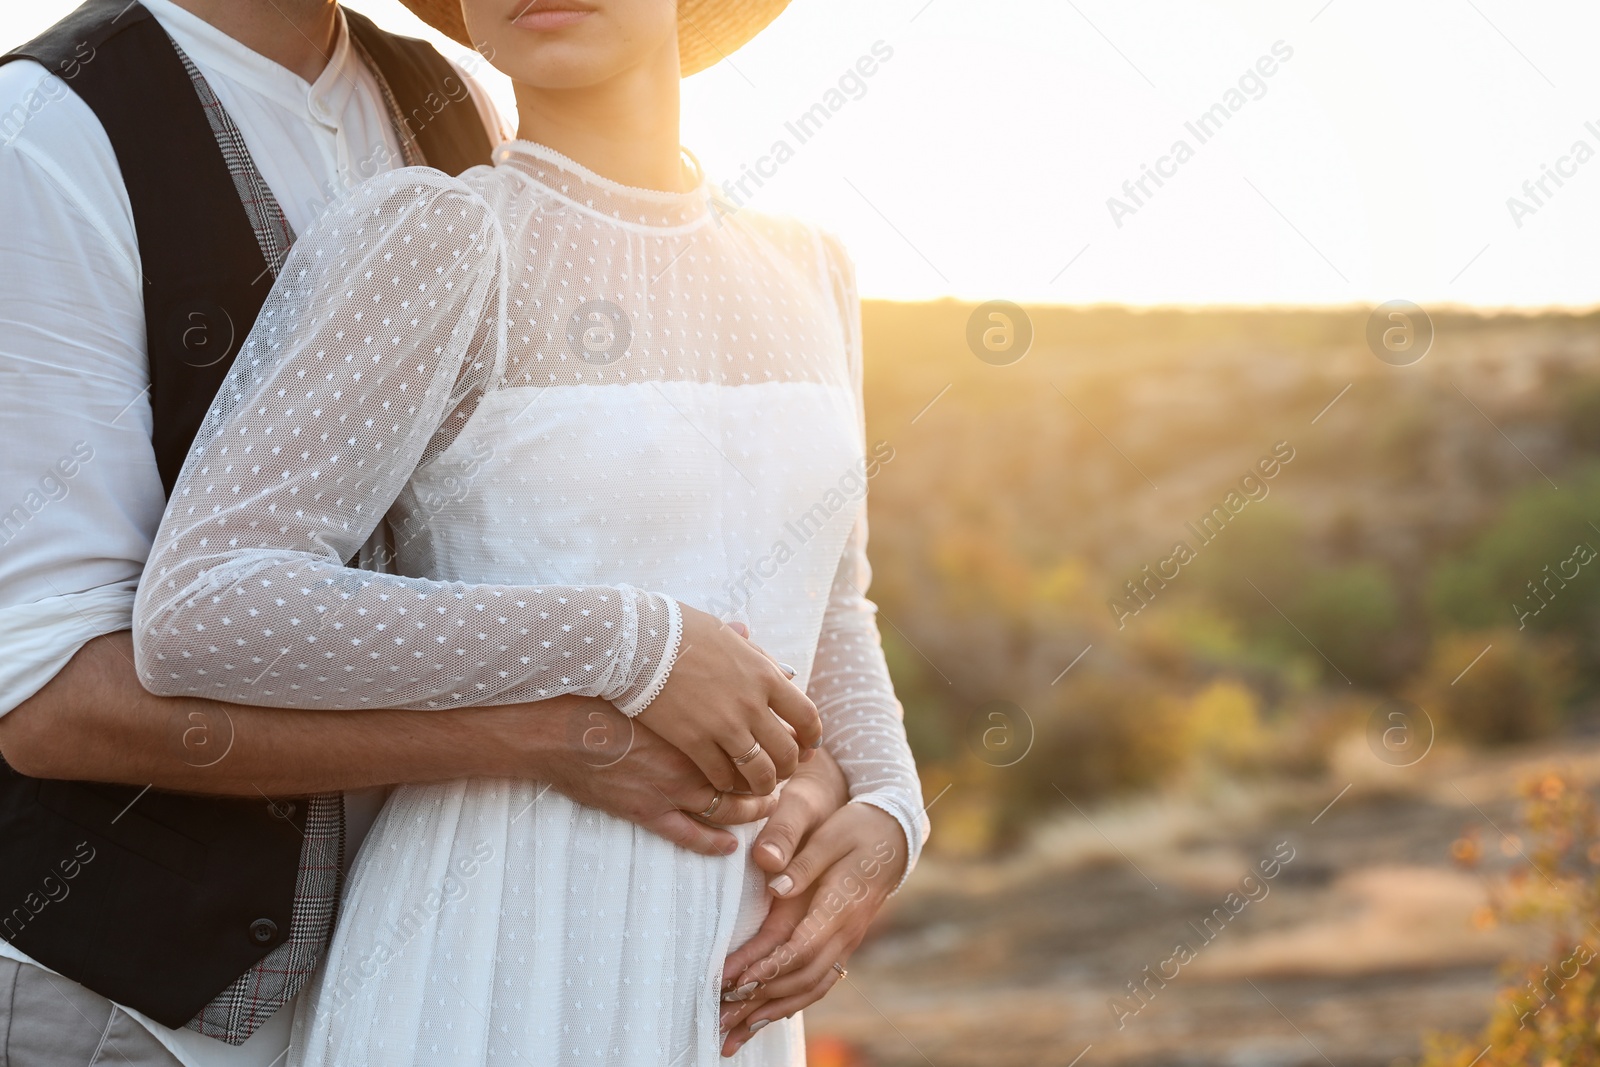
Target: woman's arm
{"type": "Point", "coordinates": [381, 326]}
{"type": "Point", "coordinates": [863, 724]}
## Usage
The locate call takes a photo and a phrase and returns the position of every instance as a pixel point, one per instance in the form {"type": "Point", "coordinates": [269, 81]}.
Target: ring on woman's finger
{"type": "Point", "coordinates": [789, 671]}
{"type": "Point", "coordinates": [843, 974]}
{"type": "Point", "coordinates": [755, 750]}
{"type": "Point", "coordinates": [716, 802]}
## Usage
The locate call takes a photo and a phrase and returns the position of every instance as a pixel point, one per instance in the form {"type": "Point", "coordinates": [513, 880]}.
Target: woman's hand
{"type": "Point", "coordinates": [813, 796]}
{"type": "Point", "coordinates": [723, 697]}
{"type": "Point", "coordinates": [827, 897]}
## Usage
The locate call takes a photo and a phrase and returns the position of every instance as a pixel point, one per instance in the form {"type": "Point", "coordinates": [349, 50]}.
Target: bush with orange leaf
{"type": "Point", "coordinates": [1548, 1015]}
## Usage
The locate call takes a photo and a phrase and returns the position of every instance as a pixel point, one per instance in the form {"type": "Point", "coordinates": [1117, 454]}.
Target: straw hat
{"type": "Point", "coordinates": [708, 30]}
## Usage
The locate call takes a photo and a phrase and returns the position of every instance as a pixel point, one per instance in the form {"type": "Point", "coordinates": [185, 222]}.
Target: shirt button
{"type": "Point", "coordinates": [262, 931]}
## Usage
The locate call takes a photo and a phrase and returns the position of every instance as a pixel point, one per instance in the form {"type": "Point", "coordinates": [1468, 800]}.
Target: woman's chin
{"type": "Point", "coordinates": [557, 66]}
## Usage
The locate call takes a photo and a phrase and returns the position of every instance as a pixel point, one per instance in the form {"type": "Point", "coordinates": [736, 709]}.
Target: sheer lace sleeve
{"type": "Point", "coordinates": [379, 327]}
{"type": "Point", "coordinates": [863, 723]}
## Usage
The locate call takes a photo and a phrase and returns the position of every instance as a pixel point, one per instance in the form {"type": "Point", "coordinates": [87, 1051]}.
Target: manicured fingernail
{"type": "Point", "coordinates": [758, 1024]}
{"type": "Point", "coordinates": [773, 850]}
{"type": "Point", "coordinates": [781, 884]}
{"type": "Point", "coordinates": [727, 983]}
{"type": "Point", "coordinates": [742, 993]}
{"type": "Point", "coordinates": [788, 670]}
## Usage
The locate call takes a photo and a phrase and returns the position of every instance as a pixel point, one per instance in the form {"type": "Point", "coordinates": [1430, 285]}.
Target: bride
{"type": "Point", "coordinates": [599, 418]}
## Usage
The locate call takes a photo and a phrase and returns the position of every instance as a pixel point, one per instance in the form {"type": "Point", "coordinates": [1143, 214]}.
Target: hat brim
{"type": "Point", "coordinates": [708, 30]}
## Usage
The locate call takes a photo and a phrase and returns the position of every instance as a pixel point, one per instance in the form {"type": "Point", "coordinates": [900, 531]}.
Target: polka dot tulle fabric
{"type": "Point", "coordinates": [486, 436]}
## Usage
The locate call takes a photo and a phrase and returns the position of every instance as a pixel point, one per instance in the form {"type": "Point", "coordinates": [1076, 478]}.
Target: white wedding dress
{"type": "Point", "coordinates": [571, 405]}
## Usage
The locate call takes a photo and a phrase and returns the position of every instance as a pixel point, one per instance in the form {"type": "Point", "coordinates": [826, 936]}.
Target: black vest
{"type": "Point", "coordinates": [152, 899]}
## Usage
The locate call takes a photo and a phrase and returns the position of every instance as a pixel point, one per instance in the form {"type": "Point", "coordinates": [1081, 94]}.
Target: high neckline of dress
{"type": "Point", "coordinates": [570, 180]}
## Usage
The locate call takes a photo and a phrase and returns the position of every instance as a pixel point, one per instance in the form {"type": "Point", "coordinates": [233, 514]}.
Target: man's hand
{"type": "Point", "coordinates": [619, 766]}
{"type": "Point", "coordinates": [624, 768]}
{"type": "Point", "coordinates": [829, 895]}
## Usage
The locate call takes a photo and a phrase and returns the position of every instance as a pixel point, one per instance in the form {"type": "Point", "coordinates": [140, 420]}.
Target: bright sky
{"type": "Point", "coordinates": [1374, 163]}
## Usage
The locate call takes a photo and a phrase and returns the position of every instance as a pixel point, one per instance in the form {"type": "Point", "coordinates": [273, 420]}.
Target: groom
{"type": "Point", "coordinates": [169, 868]}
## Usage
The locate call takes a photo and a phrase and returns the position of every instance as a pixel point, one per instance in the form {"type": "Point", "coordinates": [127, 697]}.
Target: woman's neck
{"type": "Point", "coordinates": [625, 128]}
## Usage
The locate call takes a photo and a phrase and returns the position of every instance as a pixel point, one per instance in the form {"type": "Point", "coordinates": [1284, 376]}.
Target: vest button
{"type": "Point", "coordinates": [263, 931]}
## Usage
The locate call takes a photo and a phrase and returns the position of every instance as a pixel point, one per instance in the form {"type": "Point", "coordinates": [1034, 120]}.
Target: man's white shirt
{"type": "Point", "coordinates": [80, 494]}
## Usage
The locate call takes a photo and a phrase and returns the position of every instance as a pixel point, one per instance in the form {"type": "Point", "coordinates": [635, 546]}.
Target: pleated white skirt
{"type": "Point", "coordinates": [495, 921]}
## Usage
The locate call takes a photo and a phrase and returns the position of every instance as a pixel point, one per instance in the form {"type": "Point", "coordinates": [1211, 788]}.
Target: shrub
{"type": "Point", "coordinates": [1110, 734]}
{"type": "Point", "coordinates": [1223, 726]}
{"type": "Point", "coordinates": [1549, 1014]}
{"type": "Point", "coordinates": [1352, 616]}
{"type": "Point", "coordinates": [1512, 693]}
{"type": "Point", "coordinates": [1531, 544]}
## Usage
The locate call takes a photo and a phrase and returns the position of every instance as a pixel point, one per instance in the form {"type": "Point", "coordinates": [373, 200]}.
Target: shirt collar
{"type": "Point", "coordinates": [213, 50]}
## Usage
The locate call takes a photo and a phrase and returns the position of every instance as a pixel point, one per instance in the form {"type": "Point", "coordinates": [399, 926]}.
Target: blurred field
{"type": "Point", "coordinates": [1095, 818]}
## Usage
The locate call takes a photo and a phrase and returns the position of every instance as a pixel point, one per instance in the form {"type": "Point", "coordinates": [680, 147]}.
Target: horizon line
{"type": "Point", "coordinates": [1484, 310]}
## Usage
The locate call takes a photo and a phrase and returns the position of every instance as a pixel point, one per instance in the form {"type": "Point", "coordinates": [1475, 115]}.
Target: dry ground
{"type": "Point", "coordinates": [1368, 937]}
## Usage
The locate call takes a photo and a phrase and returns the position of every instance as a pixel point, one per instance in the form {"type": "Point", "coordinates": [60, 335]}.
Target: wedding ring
{"type": "Point", "coordinates": [716, 802]}
{"type": "Point", "coordinates": [755, 750]}
{"type": "Point", "coordinates": [788, 670]}
{"type": "Point", "coordinates": [842, 972]}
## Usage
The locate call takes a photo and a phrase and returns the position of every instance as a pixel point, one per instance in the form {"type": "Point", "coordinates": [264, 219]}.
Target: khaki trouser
{"type": "Point", "coordinates": [46, 1021]}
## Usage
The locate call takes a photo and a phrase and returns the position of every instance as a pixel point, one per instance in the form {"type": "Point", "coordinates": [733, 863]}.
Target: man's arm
{"type": "Point", "coordinates": [94, 722]}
